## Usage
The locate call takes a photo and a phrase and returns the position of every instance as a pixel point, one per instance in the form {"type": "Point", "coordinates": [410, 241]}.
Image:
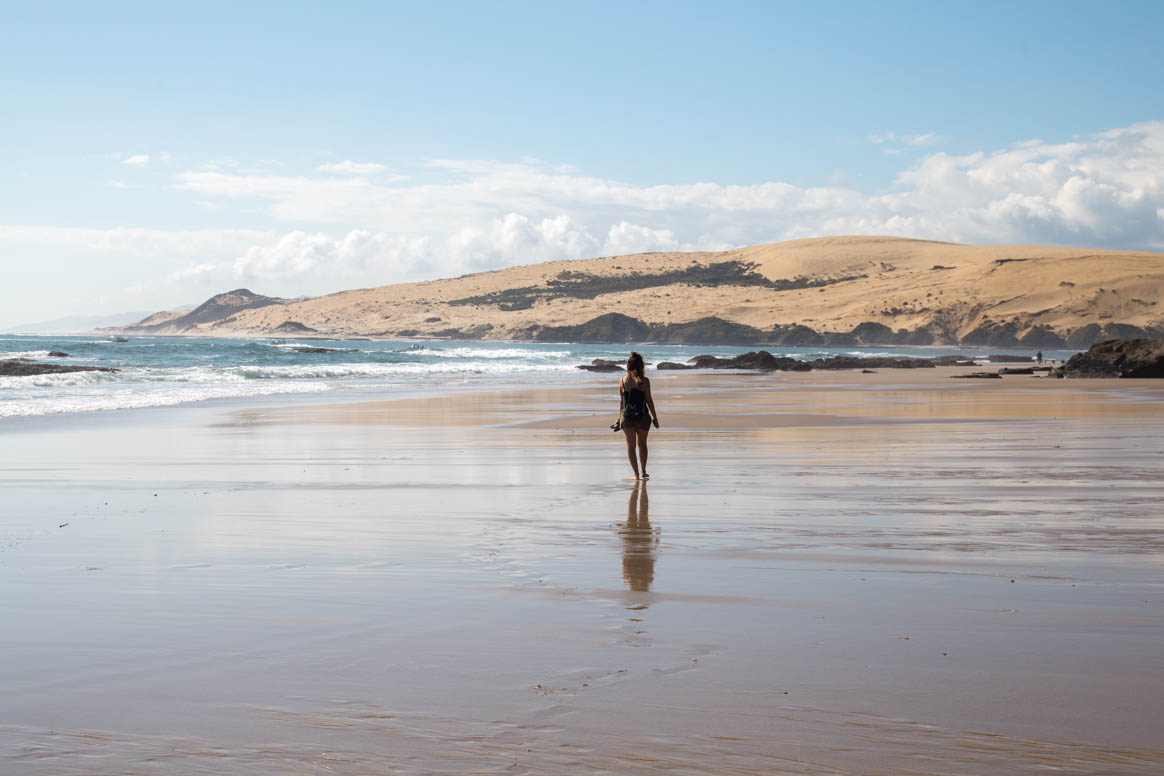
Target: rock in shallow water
{"type": "Point", "coordinates": [602, 365]}
{"type": "Point", "coordinates": [761, 359]}
{"type": "Point", "coordinates": [25, 369]}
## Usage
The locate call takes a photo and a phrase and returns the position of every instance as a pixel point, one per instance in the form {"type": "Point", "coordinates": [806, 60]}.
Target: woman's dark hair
{"type": "Point", "coordinates": [635, 365]}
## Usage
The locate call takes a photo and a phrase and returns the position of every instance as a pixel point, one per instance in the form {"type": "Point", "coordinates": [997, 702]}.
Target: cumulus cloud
{"type": "Point", "coordinates": [1105, 191]}
{"type": "Point", "coordinates": [137, 160]}
{"type": "Point", "coordinates": [383, 257]}
{"type": "Point", "coordinates": [625, 237]}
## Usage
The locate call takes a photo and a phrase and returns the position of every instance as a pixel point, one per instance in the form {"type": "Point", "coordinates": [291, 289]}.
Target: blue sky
{"type": "Point", "coordinates": [152, 154]}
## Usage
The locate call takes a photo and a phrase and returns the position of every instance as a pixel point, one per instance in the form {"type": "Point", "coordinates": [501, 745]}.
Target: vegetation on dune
{"type": "Point", "coordinates": [582, 285]}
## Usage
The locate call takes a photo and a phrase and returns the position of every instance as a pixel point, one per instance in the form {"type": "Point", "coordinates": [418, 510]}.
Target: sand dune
{"type": "Point", "coordinates": [948, 292]}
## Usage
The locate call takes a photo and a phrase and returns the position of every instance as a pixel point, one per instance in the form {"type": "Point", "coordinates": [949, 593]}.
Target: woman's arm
{"type": "Point", "coordinates": [618, 420]}
{"type": "Point", "coordinates": [650, 402]}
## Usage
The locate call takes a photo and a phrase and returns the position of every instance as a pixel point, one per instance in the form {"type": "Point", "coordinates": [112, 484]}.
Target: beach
{"type": "Point", "coordinates": [827, 573]}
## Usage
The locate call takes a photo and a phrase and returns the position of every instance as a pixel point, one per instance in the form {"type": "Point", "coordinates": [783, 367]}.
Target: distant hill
{"type": "Point", "coordinates": [216, 311]}
{"type": "Point", "coordinates": [75, 324]}
{"type": "Point", "coordinates": [823, 291]}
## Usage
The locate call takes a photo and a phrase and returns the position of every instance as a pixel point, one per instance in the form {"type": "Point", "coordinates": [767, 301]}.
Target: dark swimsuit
{"type": "Point", "coordinates": [634, 400]}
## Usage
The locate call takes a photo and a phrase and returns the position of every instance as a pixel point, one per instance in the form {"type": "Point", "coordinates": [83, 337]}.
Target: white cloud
{"type": "Point", "coordinates": [137, 160]}
{"type": "Point", "coordinates": [141, 243]}
{"type": "Point", "coordinates": [625, 237]}
{"type": "Point", "coordinates": [380, 257]}
{"type": "Point", "coordinates": [196, 274]}
{"type": "Point", "coordinates": [467, 215]}
{"type": "Point", "coordinates": [353, 168]}
{"type": "Point", "coordinates": [927, 139]}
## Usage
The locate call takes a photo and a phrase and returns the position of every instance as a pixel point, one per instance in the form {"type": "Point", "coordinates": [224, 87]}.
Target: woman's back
{"type": "Point", "coordinates": [634, 397]}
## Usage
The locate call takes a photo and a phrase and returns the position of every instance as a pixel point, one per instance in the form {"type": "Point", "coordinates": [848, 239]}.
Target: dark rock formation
{"type": "Point", "coordinates": [618, 328]}
{"type": "Point", "coordinates": [978, 375]}
{"type": "Point", "coordinates": [603, 365]}
{"type": "Point", "coordinates": [315, 350]}
{"type": "Point", "coordinates": [953, 361]}
{"type": "Point", "coordinates": [915, 337]}
{"type": "Point", "coordinates": [873, 333]}
{"type": "Point", "coordinates": [762, 360]}
{"type": "Point", "coordinates": [1119, 358]}
{"type": "Point", "coordinates": [873, 362]}
{"type": "Point", "coordinates": [1084, 336]}
{"type": "Point", "coordinates": [57, 354]}
{"type": "Point", "coordinates": [840, 339]}
{"type": "Point", "coordinates": [612, 328]}
{"type": "Point", "coordinates": [795, 335]}
{"type": "Point", "coordinates": [1123, 331]}
{"type": "Point", "coordinates": [707, 331]}
{"type": "Point", "coordinates": [1004, 358]}
{"type": "Point", "coordinates": [671, 365]}
{"type": "Point", "coordinates": [989, 333]}
{"type": "Point", "coordinates": [1042, 336]}
{"type": "Point", "coordinates": [1010, 370]}
{"type": "Point", "coordinates": [25, 369]}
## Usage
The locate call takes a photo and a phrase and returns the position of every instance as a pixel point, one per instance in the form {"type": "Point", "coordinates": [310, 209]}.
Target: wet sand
{"type": "Point", "coordinates": [827, 573]}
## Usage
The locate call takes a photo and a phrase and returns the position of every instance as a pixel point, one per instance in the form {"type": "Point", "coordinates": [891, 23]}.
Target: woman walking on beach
{"type": "Point", "coordinates": [636, 413]}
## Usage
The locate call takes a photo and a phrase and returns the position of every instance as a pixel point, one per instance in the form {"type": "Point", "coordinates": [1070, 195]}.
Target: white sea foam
{"type": "Point", "coordinates": [25, 354]}
{"type": "Point", "coordinates": [139, 387]}
{"type": "Point", "coordinates": [339, 371]}
{"type": "Point", "coordinates": [63, 380]}
{"type": "Point", "coordinates": [489, 353]}
{"type": "Point", "coordinates": [131, 398]}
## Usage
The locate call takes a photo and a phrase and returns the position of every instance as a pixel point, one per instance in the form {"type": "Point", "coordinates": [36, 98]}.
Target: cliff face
{"type": "Point", "coordinates": [838, 291]}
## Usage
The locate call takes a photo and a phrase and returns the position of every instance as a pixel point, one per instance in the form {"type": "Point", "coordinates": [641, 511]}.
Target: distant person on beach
{"type": "Point", "coordinates": [636, 413]}
{"type": "Point", "coordinates": [1039, 356]}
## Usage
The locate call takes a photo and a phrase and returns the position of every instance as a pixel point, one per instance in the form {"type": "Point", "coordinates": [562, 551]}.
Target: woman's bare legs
{"type": "Point", "coordinates": [629, 433]}
{"type": "Point", "coordinates": [641, 433]}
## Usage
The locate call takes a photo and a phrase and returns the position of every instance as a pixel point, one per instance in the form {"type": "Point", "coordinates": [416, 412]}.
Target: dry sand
{"type": "Point", "coordinates": [899, 282]}
{"type": "Point", "coordinates": [827, 574]}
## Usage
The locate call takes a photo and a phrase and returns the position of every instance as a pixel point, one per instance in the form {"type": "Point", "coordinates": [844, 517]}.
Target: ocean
{"type": "Point", "coordinates": [166, 371]}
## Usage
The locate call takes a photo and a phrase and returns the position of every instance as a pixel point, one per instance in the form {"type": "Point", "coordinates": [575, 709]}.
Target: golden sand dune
{"type": "Point", "coordinates": [921, 291]}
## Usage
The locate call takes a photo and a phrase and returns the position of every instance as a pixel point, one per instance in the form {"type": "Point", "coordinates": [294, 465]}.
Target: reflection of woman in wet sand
{"type": "Point", "coordinates": [638, 543]}
{"type": "Point", "coordinates": [636, 412]}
